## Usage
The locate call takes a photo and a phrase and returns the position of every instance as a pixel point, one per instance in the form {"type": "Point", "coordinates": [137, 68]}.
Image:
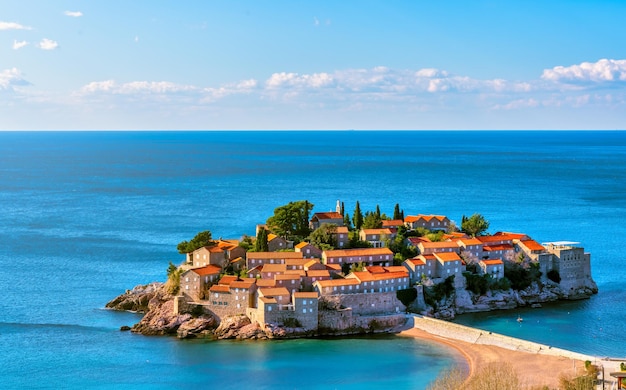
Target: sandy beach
{"type": "Point", "coordinates": [533, 369]}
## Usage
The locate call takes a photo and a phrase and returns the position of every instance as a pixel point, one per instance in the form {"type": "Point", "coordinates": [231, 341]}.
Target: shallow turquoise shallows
{"type": "Point", "coordinates": [85, 216]}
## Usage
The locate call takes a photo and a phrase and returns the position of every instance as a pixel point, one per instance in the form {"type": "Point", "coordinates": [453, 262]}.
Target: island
{"type": "Point", "coordinates": [336, 274]}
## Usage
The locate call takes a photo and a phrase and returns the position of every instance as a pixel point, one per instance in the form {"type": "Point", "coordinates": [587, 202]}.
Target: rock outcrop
{"type": "Point", "coordinates": [138, 299]}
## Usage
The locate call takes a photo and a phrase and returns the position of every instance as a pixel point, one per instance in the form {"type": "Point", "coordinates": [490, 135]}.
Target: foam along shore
{"type": "Point", "coordinates": [536, 364]}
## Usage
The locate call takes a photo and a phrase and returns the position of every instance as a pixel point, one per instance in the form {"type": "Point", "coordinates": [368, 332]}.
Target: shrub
{"type": "Point", "coordinates": [406, 296]}
{"type": "Point", "coordinates": [476, 283]}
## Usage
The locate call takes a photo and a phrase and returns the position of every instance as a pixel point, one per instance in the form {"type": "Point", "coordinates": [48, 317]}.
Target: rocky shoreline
{"type": "Point", "coordinates": [160, 318]}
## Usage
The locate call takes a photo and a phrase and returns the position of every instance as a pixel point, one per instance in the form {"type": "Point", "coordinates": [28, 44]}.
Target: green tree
{"type": "Point", "coordinates": [172, 285]}
{"type": "Point", "coordinates": [343, 210]}
{"type": "Point", "coordinates": [291, 221]}
{"type": "Point", "coordinates": [324, 236]}
{"type": "Point", "coordinates": [475, 225]}
{"type": "Point", "coordinates": [346, 221]}
{"type": "Point", "coordinates": [261, 244]}
{"type": "Point", "coordinates": [396, 212]}
{"type": "Point", "coordinates": [200, 240]}
{"type": "Point", "coordinates": [357, 218]}
{"type": "Point", "coordinates": [372, 221]}
{"type": "Point", "coordinates": [377, 211]}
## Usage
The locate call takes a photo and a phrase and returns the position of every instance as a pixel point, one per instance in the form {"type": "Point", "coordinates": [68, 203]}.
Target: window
{"type": "Point", "coordinates": [293, 282]}
{"type": "Point", "coordinates": [186, 279]}
{"type": "Point", "coordinates": [304, 311]}
{"type": "Point", "coordinates": [304, 302]}
{"type": "Point", "coordinates": [238, 306]}
{"type": "Point", "coordinates": [310, 310]}
{"type": "Point", "coordinates": [269, 308]}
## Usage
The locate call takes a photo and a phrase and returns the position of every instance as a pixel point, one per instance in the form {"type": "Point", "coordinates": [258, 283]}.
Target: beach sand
{"type": "Point", "coordinates": [533, 369]}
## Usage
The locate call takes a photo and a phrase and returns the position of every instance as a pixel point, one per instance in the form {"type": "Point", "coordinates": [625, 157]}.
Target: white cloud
{"type": "Point", "coordinates": [73, 14]}
{"type": "Point", "coordinates": [11, 78]}
{"type": "Point", "coordinates": [19, 44]}
{"type": "Point", "coordinates": [135, 87]}
{"type": "Point", "coordinates": [604, 70]}
{"type": "Point", "coordinates": [13, 26]}
{"type": "Point", "coordinates": [48, 44]}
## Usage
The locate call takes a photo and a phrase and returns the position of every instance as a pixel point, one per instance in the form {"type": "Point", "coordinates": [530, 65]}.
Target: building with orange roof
{"type": "Point", "coordinates": [276, 243]}
{"type": "Point", "coordinates": [530, 248]}
{"type": "Point", "coordinates": [498, 251]}
{"type": "Point", "coordinates": [314, 265]}
{"type": "Point", "coordinates": [493, 268]}
{"type": "Point", "coordinates": [290, 282]}
{"type": "Point", "coordinates": [472, 247]}
{"type": "Point", "coordinates": [376, 237]}
{"type": "Point", "coordinates": [430, 222]}
{"type": "Point", "coordinates": [393, 223]}
{"type": "Point", "coordinates": [231, 249]}
{"type": "Point", "coordinates": [269, 271]}
{"type": "Point", "coordinates": [336, 286]}
{"type": "Point", "coordinates": [426, 248]}
{"type": "Point", "coordinates": [449, 264]}
{"type": "Point", "coordinates": [195, 281]}
{"type": "Point", "coordinates": [330, 217]}
{"type": "Point", "coordinates": [341, 237]}
{"type": "Point", "coordinates": [208, 255]}
{"type": "Point", "coordinates": [313, 276]}
{"type": "Point", "coordinates": [308, 251]}
{"type": "Point", "coordinates": [416, 268]}
{"type": "Point", "coordinates": [369, 256]}
{"type": "Point", "coordinates": [296, 264]}
{"type": "Point", "coordinates": [254, 259]}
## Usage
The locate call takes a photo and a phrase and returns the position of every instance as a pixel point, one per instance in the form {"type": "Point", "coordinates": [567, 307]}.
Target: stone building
{"type": "Point", "coordinates": [195, 281]}
{"type": "Point", "coordinates": [368, 256]}
{"type": "Point", "coordinates": [254, 259]}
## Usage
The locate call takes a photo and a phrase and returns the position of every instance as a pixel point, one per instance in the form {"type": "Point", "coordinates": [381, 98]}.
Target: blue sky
{"type": "Point", "coordinates": [312, 65]}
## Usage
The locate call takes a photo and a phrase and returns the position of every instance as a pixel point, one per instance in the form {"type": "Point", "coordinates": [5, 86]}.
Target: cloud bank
{"type": "Point", "coordinates": [13, 26]}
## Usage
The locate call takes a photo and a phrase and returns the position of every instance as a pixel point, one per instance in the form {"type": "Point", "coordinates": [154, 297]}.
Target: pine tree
{"type": "Point", "coordinates": [378, 211]}
{"type": "Point", "coordinates": [261, 244]}
{"type": "Point", "coordinates": [343, 210]}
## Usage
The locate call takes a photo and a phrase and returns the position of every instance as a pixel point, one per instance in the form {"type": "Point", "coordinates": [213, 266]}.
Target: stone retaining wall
{"type": "Point", "coordinates": [478, 336]}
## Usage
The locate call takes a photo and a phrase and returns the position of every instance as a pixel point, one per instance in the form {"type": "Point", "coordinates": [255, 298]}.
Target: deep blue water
{"type": "Point", "coordinates": [84, 216]}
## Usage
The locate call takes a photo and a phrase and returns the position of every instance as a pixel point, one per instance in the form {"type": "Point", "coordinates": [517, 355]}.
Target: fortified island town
{"type": "Point", "coordinates": [332, 274]}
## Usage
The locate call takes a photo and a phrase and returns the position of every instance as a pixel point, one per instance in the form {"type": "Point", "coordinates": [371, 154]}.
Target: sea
{"type": "Point", "coordinates": [85, 216]}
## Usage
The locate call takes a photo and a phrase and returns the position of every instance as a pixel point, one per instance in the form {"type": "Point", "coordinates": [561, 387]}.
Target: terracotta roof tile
{"type": "Point", "coordinates": [241, 284]}
{"type": "Point", "coordinates": [227, 279]}
{"type": "Point", "coordinates": [447, 256]}
{"type": "Point", "coordinates": [273, 255]}
{"type": "Point", "coordinates": [307, 295]}
{"type": "Point", "coordinates": [533, 245]}
{"type": "Point", "coordinates": [266, 283]}
{"type": "Point", "coordinates": [318, 273]}
{"type": "Point", "coordinates": [492, 262]}
{"type": "Point", "coordinates": [337, 282]}
{"type": "Point", "coordinates": [220, 288]}
{"type": "Point", "coordinates": [273, 291]}
{"type": "Point", "coordinates": [208, 270]}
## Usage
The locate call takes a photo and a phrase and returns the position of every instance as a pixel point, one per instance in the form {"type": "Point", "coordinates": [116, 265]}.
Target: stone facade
{"type": "Point", "coordinates": [368, 256]}
{"type": "Point", "coordinates": [254, 259]}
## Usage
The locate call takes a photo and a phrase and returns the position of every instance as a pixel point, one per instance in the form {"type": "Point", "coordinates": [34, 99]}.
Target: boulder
{"type": "Point", "coordinates": [195, 327]}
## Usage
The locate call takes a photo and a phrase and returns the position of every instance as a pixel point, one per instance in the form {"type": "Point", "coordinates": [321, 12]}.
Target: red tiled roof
{"type": "Point", "coordinates": [274, 268]}
{"type": "Point", "coordinates": [227, 279]}
{"type": "Point", "coordinates": [492, 262]}
{"type": "Point", "coordinates": [417, 240]}
{"type": "Point", "coordinates": [533, 245]}
{"type": "Point", "coordinates": [447, 256]}
{"type": "Point", "coordinates": [208, 270]}
{"type": "Point", "coordinates": [501, 247]}
{"type": "Point", "coordinates": [393, 223]}
{"type": "Point", "coordinates": [273, 291]}
{"type": "Point", "coordinates": [327, 215]}
{"type": "Point", "coordinates": [470, 241]}
{"type": "Point", "coordinates": [439, 245]}
{"type": "Point", "coordinates": [268, 300]}
{"type": "Point", "coordinates": [395, 268]}
{"type": "Point", "coordinates": [318, 273]}
{"type": "Point", "coordinates": [308, 295]}
{"type": "Point", "coordinates": [417, 261]}
{"type": "Point", "coordinates": [302, 244]}
{"type": "Point", "coordinates": [333, 267]}
{"type": "Point", "coordinates": [266, 283]}
{"type": "Point", "coordinates": [375, 269]}
{"type": "Point", "coordinates": [341, 229]}
{"type": "Point", "coordinates": [241, 284]}
{"type": "Point", "coordinates": [337, 282]}
{"type": "Point", "coordinates": [220, 288]}
{"type": "Point", "coordinates": [500, 237]}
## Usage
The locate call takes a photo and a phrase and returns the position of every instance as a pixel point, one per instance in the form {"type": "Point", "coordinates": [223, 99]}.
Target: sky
{"type": "Point", "coordinates": [471, 64]}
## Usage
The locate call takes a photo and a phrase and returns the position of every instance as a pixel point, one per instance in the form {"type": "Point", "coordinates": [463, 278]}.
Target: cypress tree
{"type": "Point", "coordinates": [378, 211]}
{"type": "Point", "coordinates": [396, 211]}
{"type": "Point", "coordinates": [357, 218]}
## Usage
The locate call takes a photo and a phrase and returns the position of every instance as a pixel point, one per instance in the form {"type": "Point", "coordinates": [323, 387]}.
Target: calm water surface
{"type": "Point", "coordinates": [84, 216]}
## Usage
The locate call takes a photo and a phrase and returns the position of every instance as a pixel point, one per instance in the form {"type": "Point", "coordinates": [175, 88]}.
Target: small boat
{"type": "Point", "coordinates": [519, 319]}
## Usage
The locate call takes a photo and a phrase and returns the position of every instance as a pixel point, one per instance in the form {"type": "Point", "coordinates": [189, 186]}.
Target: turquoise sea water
{"type": "Point", "coordinates": [84, 216]}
